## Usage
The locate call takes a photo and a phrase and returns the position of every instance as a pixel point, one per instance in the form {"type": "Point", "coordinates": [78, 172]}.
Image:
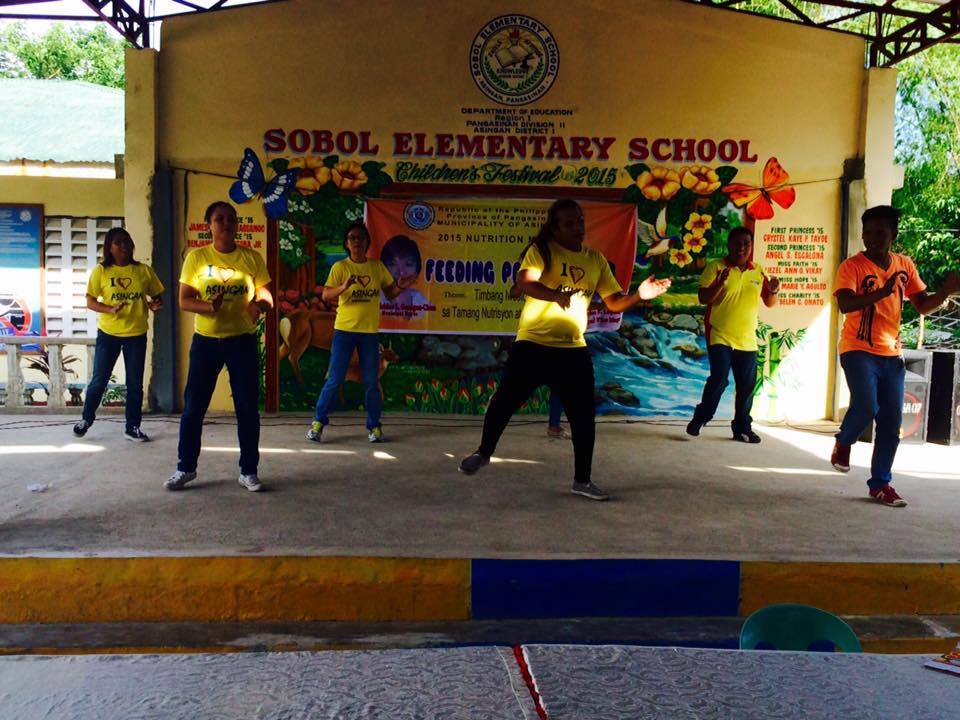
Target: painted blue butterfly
{"type": "Point", "coordinates": [252, 183]}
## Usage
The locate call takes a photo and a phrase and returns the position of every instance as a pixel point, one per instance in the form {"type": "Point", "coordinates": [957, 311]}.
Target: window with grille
{"type": "Point", "coordinates": [72, 246]}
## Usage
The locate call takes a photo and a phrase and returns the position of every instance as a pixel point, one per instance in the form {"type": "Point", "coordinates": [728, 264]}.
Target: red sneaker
{"type": "Point", "coordinates": [840, 458]}
{"type": "Point", "coordinates": [888, 496]}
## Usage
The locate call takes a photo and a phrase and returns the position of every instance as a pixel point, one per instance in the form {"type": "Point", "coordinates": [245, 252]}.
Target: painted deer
{"type": "Point", "coordinates": [304, 328]}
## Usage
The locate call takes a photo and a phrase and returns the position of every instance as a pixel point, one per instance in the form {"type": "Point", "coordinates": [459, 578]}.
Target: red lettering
{"type": "Point", "coordinates": [322, 142]}
{"type": "Point", "coordinates": [745, 152]}
{"type": "Point", "coordinates": [657, 153]}
{"type": "Point", "coordinates": [638, 149]}
{"type": "Point", "coordinates": [347, 142]}
{"type": "Point", "coordinates": [538, 142]}
{"type": "Point", "coordinates": [728, 150]}
{"type": "Point", "coordinates": [495, 146]}
{"type": "Point", "coordinates": [516, 146]}
{"type": "Point", "coordinates": [558, 148]}
{"type": "Point", "coordinates": [603, 146]}
{"type": "Point", "coordinates": [684, 149]}
{"type": "Point", "coordinates": [470, 146]}
{"type": "Point", "coordinates": [401, 143]}
{"type": "Point", "coordinates": [706, 150]}
{"type": "Point", "coordinates": [422, 147]}
{"type": "Point", "coordinates": [273, 140]}
{"type": "Point", "coordinates": [299, 140]}
{"type": "Point", "coordinates": [365, 147]}
{"type": "Point", "coordinates": [580, 148]}
{"type": "Point", "coordinates": [445, 145]}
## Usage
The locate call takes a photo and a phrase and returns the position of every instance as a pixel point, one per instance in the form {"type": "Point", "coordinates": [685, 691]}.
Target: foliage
{"type": "Point", "coordinates": [928, 145]}
{"type": "Point", "coordinates": [65, 52]}
{"type": "Point", "coordinates": [41, 362]}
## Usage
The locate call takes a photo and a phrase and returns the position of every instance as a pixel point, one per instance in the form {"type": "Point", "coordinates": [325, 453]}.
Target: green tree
{"type": "Point", "coordinates": [65, 52]}
{"type": "Point", "coordinates": [928, 146]}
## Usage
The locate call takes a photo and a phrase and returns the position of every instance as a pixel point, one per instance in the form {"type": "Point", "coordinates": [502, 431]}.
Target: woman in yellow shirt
{"type": "Point", "coordinates": [559, 276]}
{"type": "Point", "coordinates": [225, 286]}
{"type": "Point", "coordinates": [356, 283]}
{"type": "Point", "coordinates": [122, 290]}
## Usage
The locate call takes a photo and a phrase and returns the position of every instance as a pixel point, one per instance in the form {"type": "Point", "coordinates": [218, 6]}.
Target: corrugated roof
{"type": "Point", "coordinates": [59, 121]}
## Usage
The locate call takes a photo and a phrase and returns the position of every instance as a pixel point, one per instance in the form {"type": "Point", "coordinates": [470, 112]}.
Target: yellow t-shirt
{"type": "Point", "coordinates": [132, 283]}
{"type": "Point", "coordinates": [240, 273]}
{"type": "Point", "coordinates": [358, 308]}
{"type": "Point", "coordinates": [732, 320]}
{"type": "Point", "coordinates": [586, 271]}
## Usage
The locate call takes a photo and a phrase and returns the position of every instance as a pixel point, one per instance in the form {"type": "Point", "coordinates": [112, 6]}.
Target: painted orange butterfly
{"type": "Point", "coordinates": [775, 188]}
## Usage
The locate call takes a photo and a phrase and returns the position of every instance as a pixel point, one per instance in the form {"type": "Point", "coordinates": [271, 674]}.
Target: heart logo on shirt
{"type": "Point", "coordinates": [364, 280]}
{"type": "Point", "coordinates": [225, 273]}
{"type": "Point", "coordinates": [124, 282]}
{"type": "Point", "coordinates": [576, 273]}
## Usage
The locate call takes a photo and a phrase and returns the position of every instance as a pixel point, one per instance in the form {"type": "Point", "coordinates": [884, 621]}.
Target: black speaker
{"type": "Point", "coordinates": [944, 423]}
{"type": "Point", "coordinates": [916, 394]}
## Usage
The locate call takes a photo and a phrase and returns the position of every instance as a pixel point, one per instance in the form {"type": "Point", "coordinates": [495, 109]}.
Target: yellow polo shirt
{"type": "Point", "coordinates": [239, 273]}
{"type": "Point", "coordinates": [358, 308]}
{"type": "Point", "coordinates": [585, 271]}
{"type": "Point", "coordinates": [732, 320]}
{"type": "Point", "coordinates": [132, 284]}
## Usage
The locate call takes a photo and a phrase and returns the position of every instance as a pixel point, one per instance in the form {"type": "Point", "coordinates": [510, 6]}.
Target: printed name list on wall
{"type": "Point", "coordinates": [796, 255]}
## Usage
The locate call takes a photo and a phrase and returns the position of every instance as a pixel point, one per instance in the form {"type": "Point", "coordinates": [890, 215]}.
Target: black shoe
{"type": "Point", "coordinates": [136, 435]}
{"type": "Point", "coordinates": [693, 428]}
{"type": "Point", "coordinates": [747, 437]}
{"type": "Point", "coordinates": [80, 429]}
{"type": "Point", "coordinates": [471, 463]}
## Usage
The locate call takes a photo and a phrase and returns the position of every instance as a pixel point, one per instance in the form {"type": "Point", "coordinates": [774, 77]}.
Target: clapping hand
{"type": "Point", "coordinates": [773, 285]}
{"type": "Point", "coordinates": [217, 301]}
{"type": "Point", "coordinates": [563, 298]}
{"type": "Point", "coordinates": [651, 287]}
{"type": "Point", "coordinates": [115, 310]}
{"type": "Point", "coordinates": [155, 304]}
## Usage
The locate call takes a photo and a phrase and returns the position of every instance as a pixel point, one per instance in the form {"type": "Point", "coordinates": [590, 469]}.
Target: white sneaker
{"type": "Point", "coordinates": [375, 435]}
{"type": "Point", "coordinates": [315, 433]}
{"type": "Point", "coordinates": [179, 479]}
{"type": "Point", "coordinates": [251, 483]}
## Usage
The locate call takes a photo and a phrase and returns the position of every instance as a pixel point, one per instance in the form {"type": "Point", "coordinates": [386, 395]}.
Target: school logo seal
{"type": "Point", "coordinates": [418, 215]}
{"type": "Point", "coordinates": [514, 59]}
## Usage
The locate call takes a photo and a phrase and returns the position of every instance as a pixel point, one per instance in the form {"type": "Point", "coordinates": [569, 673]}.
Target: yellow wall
{"type": "Point", "coordinates": [649, 68]}
{"type": "Point", "coordinates": [65, 196]}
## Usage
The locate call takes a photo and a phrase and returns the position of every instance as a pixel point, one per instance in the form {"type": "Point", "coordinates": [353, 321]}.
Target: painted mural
{"type": "Point", "coordinates": [650, 363]}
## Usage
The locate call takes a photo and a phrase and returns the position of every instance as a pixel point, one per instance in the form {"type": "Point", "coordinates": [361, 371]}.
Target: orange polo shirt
{"type": "Point", "coordinates": [876, 329]}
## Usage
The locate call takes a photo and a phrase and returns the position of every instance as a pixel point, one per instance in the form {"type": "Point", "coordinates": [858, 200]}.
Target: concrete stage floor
{"type": "Point", "coordinates": [673, 496]}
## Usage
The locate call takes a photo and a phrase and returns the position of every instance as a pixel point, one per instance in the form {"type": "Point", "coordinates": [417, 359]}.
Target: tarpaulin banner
{"type": "Point", "coordinates": [466, 253]}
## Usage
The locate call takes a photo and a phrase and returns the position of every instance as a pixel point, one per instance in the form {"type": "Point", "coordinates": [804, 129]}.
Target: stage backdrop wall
{"type": "Point", "coordinates": [697, 120]}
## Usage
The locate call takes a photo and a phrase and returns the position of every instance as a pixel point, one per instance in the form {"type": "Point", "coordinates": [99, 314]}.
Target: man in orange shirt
{"type": "Point", "coordinates": [870, 288]}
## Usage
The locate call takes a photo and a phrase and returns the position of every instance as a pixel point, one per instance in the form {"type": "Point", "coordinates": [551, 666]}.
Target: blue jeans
{"type": "Point", "coordinates": [341, 351]}
{"type": "Point", "coordinates": [208, 355]}
{"type": "Point", "coordinates": [556, 410]}
{"type": "Point", "coordinates": [109, 347]}
{"type": "Point", "coordinates": [744, 365]}
{"type": "Point", "coordinates": [876, 392]}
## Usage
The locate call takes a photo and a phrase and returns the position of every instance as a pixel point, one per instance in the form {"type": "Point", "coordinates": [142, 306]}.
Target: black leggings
{"type": "Point", "coordinates": [568, 372]}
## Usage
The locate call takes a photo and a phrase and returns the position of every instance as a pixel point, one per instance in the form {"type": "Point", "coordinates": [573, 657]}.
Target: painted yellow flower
{"type": "Point", "coordinates": [699, 178]}
{"type": "Point", "coordinates": [313, 174]}
{"type": "Point", "coordinates": [698, 224]}
{"type": "Point", "coordinates": [680, 257]}
{"type": "Point", "coordinates": [694, 243]}
{"type": "Point", "coordinates": [348, 175]}
{"type": "Point", "coordinates": [658, 184]}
